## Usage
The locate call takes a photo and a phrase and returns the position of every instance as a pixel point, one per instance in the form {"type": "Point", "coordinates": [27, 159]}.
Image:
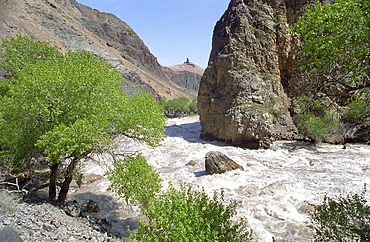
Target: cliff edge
{"type": "Point", "coordinates": [241, 99]}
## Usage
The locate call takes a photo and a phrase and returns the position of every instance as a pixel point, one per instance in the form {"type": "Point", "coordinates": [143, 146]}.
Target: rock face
{"type": "Point", "coordinates": [241, 99]}
{"type": "Point", "coordinates": [217, 163]}
{"type": "Point", "coordinates": [8, 234]}
{"type": "Point", "coordinates": [73, 26]}
{"type": "Point", "coordinates": [186, 75]}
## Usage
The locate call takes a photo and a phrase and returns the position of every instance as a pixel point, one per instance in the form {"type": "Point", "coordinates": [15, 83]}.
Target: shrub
{"type": "Point", "coordinates": [179, 107]}
{"type": "Point", "coordinates": [359, 109]}
{"type": "Point", "coordinates": [17, 53]}
{"type": "Point", "coordinates": [342, 219]}
{"type": "Point", "coordinates": [317, 118]}
{"type": "Point", "coordinates": [313, 126]}
{"type": "Point", "coordinates": [187, 214]}
{"type": "Point", "coordinates": [135, 180]}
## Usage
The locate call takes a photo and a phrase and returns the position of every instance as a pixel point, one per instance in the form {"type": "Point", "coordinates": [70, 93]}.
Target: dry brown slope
{"type": "Point", "coordinates": [70, 25]}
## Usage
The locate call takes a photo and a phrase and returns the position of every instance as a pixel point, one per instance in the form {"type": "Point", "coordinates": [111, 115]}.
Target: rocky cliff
{"type": "Point", "coordinates": [242, 99]}
{"type": "Point", "coordinates": [70, 25]}
{"type": "Point", "coordinates": [186, 75]}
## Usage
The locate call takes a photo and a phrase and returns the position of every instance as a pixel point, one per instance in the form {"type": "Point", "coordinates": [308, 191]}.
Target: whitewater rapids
{"type": "Point", "coordinates": [273, 193]}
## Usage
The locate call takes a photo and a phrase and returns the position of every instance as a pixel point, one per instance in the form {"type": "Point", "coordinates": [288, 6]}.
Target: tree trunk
{"type": "Point", "coordinates": [53, 180]}
{"type": "Point", "coordinates": [67, 180]}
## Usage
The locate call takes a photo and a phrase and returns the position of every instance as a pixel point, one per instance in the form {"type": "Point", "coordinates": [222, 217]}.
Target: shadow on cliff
{"type": "Point", "coordinates": [190, 132]}
{"type": "Point", "coordinates": [112, 218]}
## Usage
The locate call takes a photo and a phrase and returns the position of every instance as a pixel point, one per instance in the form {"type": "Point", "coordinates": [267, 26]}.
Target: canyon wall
{"type": "Point", "coordinates": [242, 98]}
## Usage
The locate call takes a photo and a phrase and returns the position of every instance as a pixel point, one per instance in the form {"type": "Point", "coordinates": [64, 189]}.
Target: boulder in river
{"type": "Point", "coordinates": [217, 163]}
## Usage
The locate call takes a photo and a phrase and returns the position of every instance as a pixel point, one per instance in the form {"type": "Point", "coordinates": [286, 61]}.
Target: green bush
{"type": "Point", "coordinates": [342, 219]}
{"type": "Point", "coordinates": [314, 127]}
{"type": "Point", "coordinates": [179, 107]}
{"type": "Point", "coordinates": [359, 109]}
{"type": "Point", "coordinates": [187, 214]}
{"type": "Point", "coordinates": [135, 180]}
{"type": "Point", "coordinates": [317, 118]}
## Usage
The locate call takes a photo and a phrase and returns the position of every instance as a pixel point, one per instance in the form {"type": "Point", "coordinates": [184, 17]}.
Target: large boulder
{"type": "Point", "coordinates": [8, 234]}
{"type": "Point", "coordinates": [241, 99]}
{"type": "Point", "coordinates": [217, 163]}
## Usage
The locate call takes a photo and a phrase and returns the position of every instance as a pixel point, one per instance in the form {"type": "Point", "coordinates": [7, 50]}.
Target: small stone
{"type": "Point", "coordinates": [91, 207]}
{"type": "Point", "coordinates": [56, 223]}
{"type": "Point", "coordinates": [36, 234]}
{"type": "Point", "coordinates": [48, 227]}
{"type": "Point", "coordinates": [191, 163]}
{"type": "Point", "coordinates": [73, 209]}
{"type": "Point", "coordinates": [6, 222]}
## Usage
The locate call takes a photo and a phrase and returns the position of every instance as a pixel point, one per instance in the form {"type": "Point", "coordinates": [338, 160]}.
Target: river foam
{"type": "Point", "coordinates": [277, 186]}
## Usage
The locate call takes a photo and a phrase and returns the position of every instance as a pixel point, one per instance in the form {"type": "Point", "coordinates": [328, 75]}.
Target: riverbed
{"type": "Point", "coordinates": [274, 192]}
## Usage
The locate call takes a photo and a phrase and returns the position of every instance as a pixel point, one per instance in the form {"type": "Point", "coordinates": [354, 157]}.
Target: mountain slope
{"type": "Point", "coordinates": [186, 75]}
{"type": "Point", "coordinates": [73, 26]}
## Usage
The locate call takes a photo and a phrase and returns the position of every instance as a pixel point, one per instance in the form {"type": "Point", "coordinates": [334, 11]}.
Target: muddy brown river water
{"type": "Point", "coordinates": [273, 193]}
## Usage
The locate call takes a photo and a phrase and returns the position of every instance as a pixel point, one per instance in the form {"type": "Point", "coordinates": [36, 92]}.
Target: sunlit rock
{"type": "Point", "coordinates": [242, 98]}
{"type": "Point", "coordinates": [217, 163]}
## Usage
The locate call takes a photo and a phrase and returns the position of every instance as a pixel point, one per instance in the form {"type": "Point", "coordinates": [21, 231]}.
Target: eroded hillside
{"type": "Point", "coordinates": [73, 26]}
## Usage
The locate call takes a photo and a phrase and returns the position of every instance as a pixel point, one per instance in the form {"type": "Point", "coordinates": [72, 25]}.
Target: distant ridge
{"type": "Point", "coordinates": [187, 75]}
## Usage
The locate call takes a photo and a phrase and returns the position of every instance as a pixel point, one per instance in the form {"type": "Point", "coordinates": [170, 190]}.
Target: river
{"type": "Point", "coordinates": [273, 193]}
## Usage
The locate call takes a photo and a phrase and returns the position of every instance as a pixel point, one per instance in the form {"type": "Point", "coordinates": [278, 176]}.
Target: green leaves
{"type": "Point", "coordinates": [336, 33]}
{"type": "Point", "coordinates": [60, 106]}
{"type": "Point", "coordinates": [342, 219]}
{"type": "Point", "coordinates": [77, 139]}
{"type": "Point", "coordinates": [141, 117]}
{"type": "Point", "coordinates": [20, 52]}
{"type": "Point", "coordinates": [179, 106]}
{"type": "Point", "coordinates": [188, 214]}
{"type": "Point", "coordinates": [135, 180]}
{"type": "Point", "coordinates": [359, 110]}
{"type": "Point", "coordinates": [335, 56]}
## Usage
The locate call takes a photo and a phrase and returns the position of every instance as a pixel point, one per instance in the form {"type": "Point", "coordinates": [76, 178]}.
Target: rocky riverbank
{"type": "Point", "coordinates": [45, 222]}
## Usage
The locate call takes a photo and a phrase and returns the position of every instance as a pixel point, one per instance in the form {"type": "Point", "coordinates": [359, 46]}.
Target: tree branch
{"type": "Point", "coordinates": [41, 119]}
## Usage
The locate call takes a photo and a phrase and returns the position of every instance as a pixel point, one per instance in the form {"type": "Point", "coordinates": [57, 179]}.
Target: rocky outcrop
{"type": "Point", "coordinates": [73, 26]}
{"type": "Point", "coordinates": [241, 99]}
{"type": "Point", "coordinates": [218, 163]}
{"type": "Point", "coordinates": [187, 75]}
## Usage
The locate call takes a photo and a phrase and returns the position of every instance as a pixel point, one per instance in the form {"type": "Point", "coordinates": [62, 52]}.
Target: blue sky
{"type": "Point", "coordinates": [172, 29]}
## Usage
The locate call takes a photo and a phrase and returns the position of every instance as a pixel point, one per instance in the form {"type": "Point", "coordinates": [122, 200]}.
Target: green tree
{"type": "Point", "coordinates": [336, 33]}
{"type": "Point", "coordinates": [178, 107]}
{"type": "Point", "coordinates": [19, 52]}
{"type": "Point", "coordinates": [335, 60]}
{"type": "Point", "coordinates": [342, 219]}
{"type": "Point", "coordinates": [188, 214]}
{"type": "Point", "coordinates": [66, 108]}
{"type": "Point", "coordinates": [135, 180]}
